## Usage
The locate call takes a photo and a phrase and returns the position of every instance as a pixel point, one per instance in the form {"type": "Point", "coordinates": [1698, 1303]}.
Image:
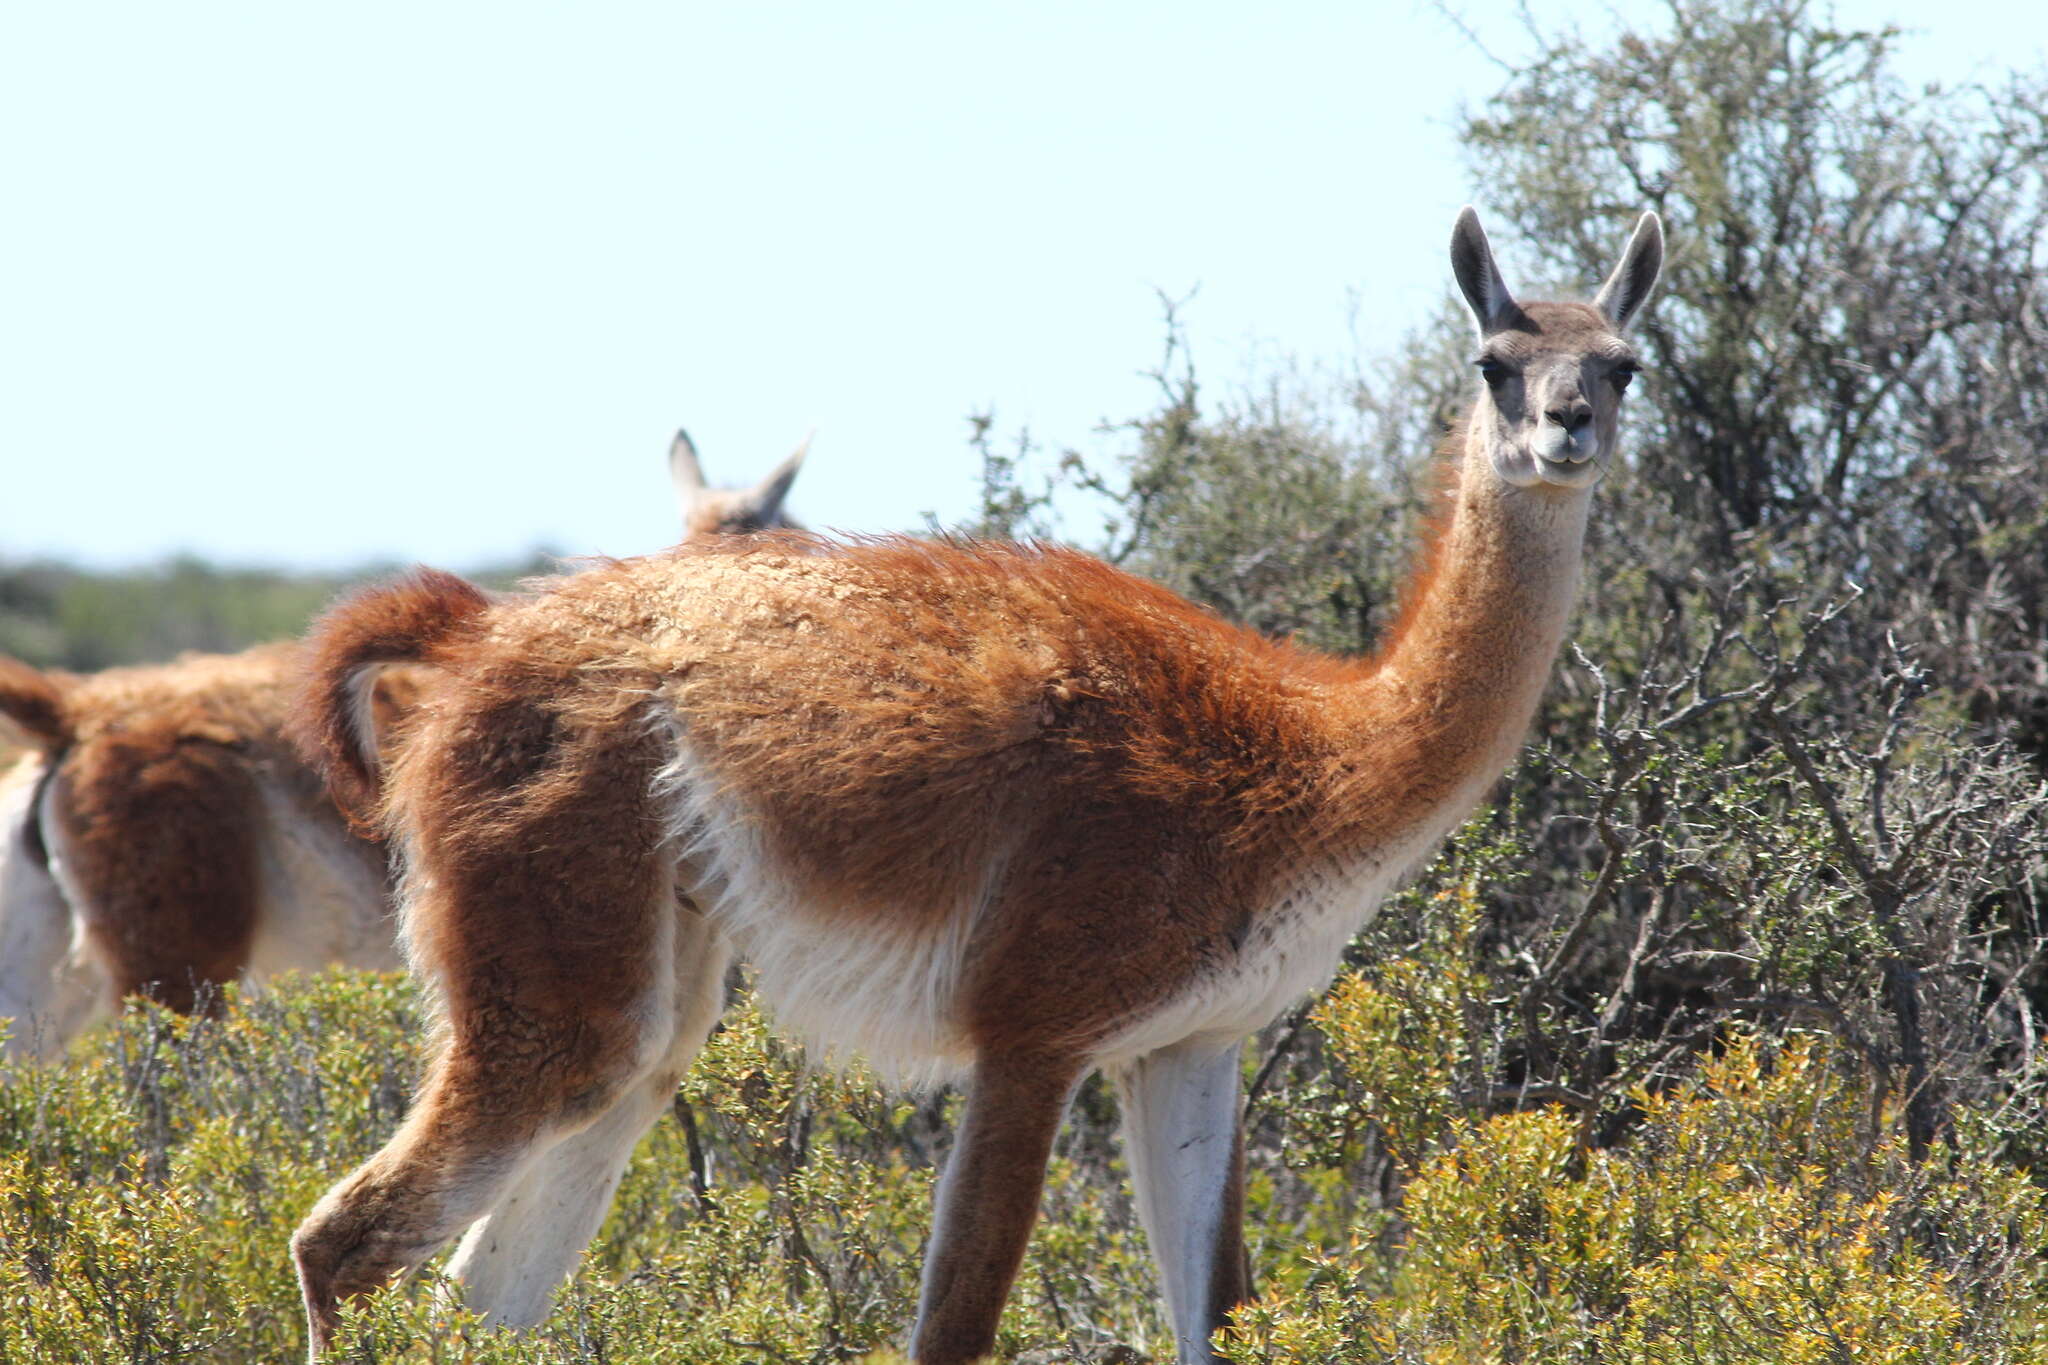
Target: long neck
{"type": "Point", "coordinates": [1443, 711]}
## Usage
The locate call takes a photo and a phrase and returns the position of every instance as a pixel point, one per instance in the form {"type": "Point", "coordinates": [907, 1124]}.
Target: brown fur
{"type": "Point", "coordinates": [150, 771]}
{"type": "Point", "coordinates": [1083, 710]}
{"type": "Point", "coordinates": [156, 772]}
{"type": "Point", "coordinates": [415, 613]}
{"type": "Point", "coordinates": [154, 777]}
{"type": "Point", "coordinates": [34, 702]}
{"type": "Point", "coordinates": [550, 1004]}
{"type": "Point", "coordinates": [162, 838]}
{"type": "Point", "coordinates": [1112, 801]}
{"type": "Point", "coordinates": [997, 1173]}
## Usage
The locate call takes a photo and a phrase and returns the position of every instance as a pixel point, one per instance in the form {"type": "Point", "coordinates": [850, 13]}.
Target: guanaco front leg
{"type": "Point", "coordinates": [987, 1202]}
{"type": "Point", "coordinates": [1184, 1142]}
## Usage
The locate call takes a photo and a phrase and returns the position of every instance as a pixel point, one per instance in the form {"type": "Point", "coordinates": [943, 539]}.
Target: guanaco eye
{"type": "Point", "coordinates": [1623, 373]}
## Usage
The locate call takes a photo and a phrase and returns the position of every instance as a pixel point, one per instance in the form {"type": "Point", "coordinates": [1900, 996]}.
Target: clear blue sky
{"type": "Point", "coordinates": [310, 286]}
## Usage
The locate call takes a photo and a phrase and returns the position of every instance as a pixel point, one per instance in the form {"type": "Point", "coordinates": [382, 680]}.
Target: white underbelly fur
{"type": "Point", "coordinates": [888, 993]}
{"type": "Point", "coordinates": [1291, 953]}
{"type": "Point", "coordinates": [882, 991]}
{"type": "Point", "coordinates": [324, 902]}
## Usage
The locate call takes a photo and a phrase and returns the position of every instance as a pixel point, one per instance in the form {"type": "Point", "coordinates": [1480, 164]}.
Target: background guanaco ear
{"type": "Point", "coordinates": [764, 499]}
{"type": "Point", "coordinates": [1472, 262]}
{"type": "Point", "coordinates": [684, 471]}
{"type": "Point", "coordinates": [1633, 279]}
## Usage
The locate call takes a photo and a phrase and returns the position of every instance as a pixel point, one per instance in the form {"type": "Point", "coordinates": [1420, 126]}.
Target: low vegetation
{"type": "Point", "coordinates": [1766, 1208]}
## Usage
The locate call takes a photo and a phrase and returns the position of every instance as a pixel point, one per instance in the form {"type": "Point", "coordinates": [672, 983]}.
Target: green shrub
{"type": "Point", "coordinates": [150, 1187]}
{"type": "Point", "coordinates": [1762, 1212]}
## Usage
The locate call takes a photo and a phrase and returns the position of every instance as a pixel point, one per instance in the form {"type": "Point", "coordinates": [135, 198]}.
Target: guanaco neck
{"type": "Point", "coordinates": [1440, 713]}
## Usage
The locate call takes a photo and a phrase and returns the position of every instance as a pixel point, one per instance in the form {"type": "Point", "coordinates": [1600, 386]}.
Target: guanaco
{"type": "Point", "coordinates": [995, 812]}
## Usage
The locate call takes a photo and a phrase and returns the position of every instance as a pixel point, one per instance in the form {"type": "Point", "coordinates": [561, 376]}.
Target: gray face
{"type": "Point", "coordinates": [1554, 372]}
{"type": "Point", "coordinates": [731, 512]}
{"type": "Point", "coordinates": [1554, 377]}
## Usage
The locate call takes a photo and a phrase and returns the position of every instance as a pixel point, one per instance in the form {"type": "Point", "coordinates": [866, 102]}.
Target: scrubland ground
{"type": "Point", "coordinates": [1764, 1209]}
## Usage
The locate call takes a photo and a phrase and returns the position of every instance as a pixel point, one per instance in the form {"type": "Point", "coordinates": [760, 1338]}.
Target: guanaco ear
{"type": "Point", "coordinates": [1472, 262]}
{"type": "Point", "coordinates": [684, 471]}
{"type": "Point", "coordinates": [764, 499]}
{"type": "Point", "coordinates": [1636, 276]}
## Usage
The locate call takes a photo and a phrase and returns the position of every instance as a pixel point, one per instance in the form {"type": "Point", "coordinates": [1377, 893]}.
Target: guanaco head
{"type": "Point", "coordinates": [729, 511]}
{"type": "Point", "coordinates": [1554, 372]}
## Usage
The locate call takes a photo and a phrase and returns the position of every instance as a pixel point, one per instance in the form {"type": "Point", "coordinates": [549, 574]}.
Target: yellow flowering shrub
{"type": "Point", "coordinates": [1397, 1028]}
{"type": "Point", "coordinates": [149, 1187]}
{"type": "Point", "coordinates": [1762, 1212]}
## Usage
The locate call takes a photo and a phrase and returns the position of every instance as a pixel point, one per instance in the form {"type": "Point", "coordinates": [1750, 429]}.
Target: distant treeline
{"type": "Point", "coordinates": [55, 615]}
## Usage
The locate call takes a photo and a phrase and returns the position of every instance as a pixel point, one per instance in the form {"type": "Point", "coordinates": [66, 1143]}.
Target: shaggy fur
{"type": "Point", "coordinates": [994, 810]}
{"type": "Point", "coordinates": [333, 727]}
{"type": "Point", "coordinates": [163, 838]}
{"type": "Point", "coordinates": [170, 824]}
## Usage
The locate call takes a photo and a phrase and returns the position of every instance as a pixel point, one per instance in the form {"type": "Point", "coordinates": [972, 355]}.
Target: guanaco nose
{"type": "Point", "coordinates": [1572, 415]}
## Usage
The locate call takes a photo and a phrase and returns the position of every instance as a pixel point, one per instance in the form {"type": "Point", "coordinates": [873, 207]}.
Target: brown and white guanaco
{"type": "Point", "coordinates": [162, 838]}
{"type": "Point", "coordinates": [996, 812]}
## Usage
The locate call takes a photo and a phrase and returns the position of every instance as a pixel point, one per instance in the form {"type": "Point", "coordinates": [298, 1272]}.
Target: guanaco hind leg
{"type": "Point", "coordinates": [444, 1169]}
{"type": "Point", "coordinates": [1184, 1143]}
{"type": "Point", "coordinates": [987, 1201]}
{"type": "Point", "coordinates": [499, 1120]}
{"type": "Point", "coordinates": [553, 948]}
{"type": "Point", "coordinates": [512, 1259]}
